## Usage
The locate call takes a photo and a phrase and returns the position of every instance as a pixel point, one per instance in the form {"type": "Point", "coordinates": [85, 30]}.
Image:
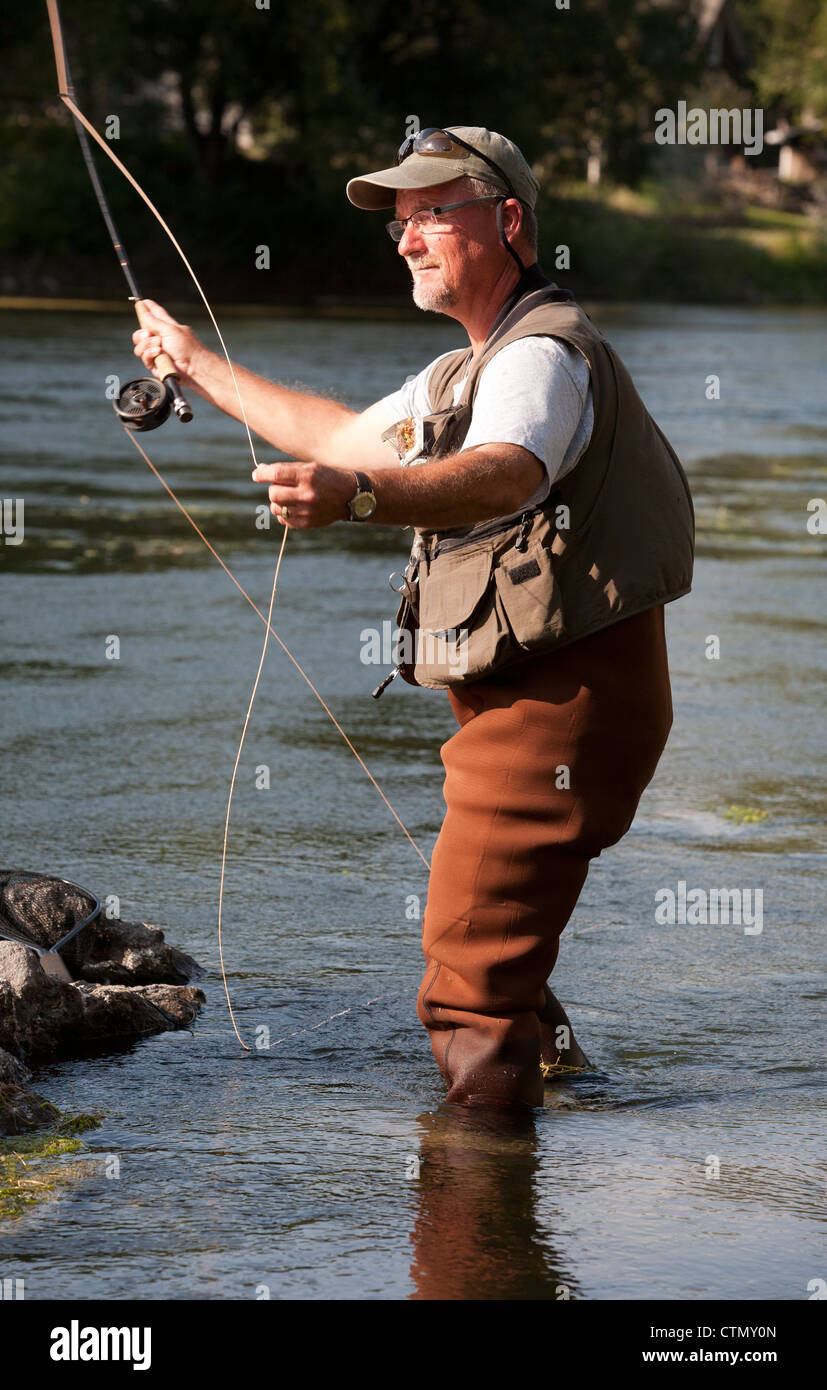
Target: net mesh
{"type": "Point", "coordinates": [39, 909]}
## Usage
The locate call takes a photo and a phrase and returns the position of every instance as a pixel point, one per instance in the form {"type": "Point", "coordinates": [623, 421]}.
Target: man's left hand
{"type": "Point", "coordinates": [306, 495]}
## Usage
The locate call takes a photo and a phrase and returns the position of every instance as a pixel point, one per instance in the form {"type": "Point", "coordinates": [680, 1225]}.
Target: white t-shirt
{"type": "Point", "coordinates": [535, 393]}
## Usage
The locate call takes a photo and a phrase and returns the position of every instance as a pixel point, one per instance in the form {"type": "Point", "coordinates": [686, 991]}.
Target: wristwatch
{"type": "Point", "coordinates": [362, 504]}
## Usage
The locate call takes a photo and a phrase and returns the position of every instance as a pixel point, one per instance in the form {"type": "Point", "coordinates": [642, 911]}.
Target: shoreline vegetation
{"type": "Point", "coordinates": [33, 1165]}
{"type": "Point", "coordinates": [250, 172]}
{"type": "Point", "coordinates": [662, 242]}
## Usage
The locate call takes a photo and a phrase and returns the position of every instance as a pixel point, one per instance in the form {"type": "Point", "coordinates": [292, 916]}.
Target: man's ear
{"type": "Point", "coordinates": [512, 217]}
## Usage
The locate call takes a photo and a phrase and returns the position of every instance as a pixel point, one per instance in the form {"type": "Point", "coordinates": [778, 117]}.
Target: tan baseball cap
{"type": "Point", "coordinates": [379, 190]}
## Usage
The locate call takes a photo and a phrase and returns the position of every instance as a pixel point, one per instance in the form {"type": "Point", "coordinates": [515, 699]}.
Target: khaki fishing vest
{"type": "Point", "coordinates": [614, 537]}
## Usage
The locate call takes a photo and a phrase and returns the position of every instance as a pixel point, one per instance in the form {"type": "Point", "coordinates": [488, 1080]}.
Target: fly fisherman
{"type": "Point", "coordinates": [552, 522]}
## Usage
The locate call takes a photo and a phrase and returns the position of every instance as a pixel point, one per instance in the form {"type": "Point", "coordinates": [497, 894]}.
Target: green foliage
{"type": "Point", "coordinates": [323, 90]}
{"type": "Point", "coordinates": [789, 42]}
{"type": "Point", "coordinates": [79, 1124]}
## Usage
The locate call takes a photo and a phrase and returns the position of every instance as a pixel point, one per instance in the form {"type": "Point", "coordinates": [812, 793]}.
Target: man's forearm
{"type": "Point", "coordinates": [474, 485]}
{"type": "Point", "coordinates": [456, 491]}
{"type": "Point", "coordinates": [296, 422]}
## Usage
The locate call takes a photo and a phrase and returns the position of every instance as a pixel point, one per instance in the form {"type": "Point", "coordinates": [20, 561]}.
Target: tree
{"type": "Point", "coordinates": [789, 39]}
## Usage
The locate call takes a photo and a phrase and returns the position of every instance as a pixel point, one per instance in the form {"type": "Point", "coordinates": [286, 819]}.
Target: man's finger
{"type": "Point", "coordinates": [287, 474]}
{"type": "Point", "coordinates": [283, 495]}
{"type": "Point", "coordinates": [157, 311]}
{"type": "Point", "coordinates": [147, 346]}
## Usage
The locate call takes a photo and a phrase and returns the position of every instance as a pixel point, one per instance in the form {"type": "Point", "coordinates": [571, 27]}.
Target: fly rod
{"type": "Point", "coordinates": [145, 403]}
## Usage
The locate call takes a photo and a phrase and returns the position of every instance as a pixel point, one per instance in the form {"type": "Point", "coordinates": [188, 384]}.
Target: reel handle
{"type": "Point", "coordinates": [166, 370]}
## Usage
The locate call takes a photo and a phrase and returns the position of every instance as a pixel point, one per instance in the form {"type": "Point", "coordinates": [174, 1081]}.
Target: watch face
{"type": "Point", "coordinates": [363, 506]}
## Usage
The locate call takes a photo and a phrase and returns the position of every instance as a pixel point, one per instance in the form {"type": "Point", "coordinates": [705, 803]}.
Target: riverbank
{"type": "Point", "coordinates": [672, 243]}
{"type": "Point", "coordinates": [681, 245]}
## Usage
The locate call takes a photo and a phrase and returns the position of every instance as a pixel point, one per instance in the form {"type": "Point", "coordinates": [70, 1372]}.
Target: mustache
{"type": "Point", "coordinates": [422, 264]}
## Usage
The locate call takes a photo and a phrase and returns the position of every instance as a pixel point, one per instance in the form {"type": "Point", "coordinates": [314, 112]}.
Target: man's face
{"type": "Point", "coordinates": [448, 266]}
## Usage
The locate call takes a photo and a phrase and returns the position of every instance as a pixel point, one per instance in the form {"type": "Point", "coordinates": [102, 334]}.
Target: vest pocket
{"type": "Point", "coordinates": [462, 631]}
{"type": "Point", "coordinates": [530, 598]}
{"type": "Point", "coordinates": [478, 605]}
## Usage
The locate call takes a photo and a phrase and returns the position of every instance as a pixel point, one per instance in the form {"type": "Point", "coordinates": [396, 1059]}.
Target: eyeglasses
{"type": "Point", "coordinates": [432, 219]}
{"type": "Point", "coordinates": [444, 145]}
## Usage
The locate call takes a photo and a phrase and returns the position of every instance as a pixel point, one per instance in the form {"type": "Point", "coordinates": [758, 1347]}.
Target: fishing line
{"type": "Point", "coordinates": [143, 404]}
{"type": "Point", "coordinates": [232, 783]}
{"type": "Point", "coordinates": [366, 1004]}
{"type": "Point", "coordinates": [328, 711]}
{"type": "Point", "coordinates": [150, 409]}
{"type": "Point", "coordinates": [138, 411]}
{"type": "Point", "coordinates": [269, 631]}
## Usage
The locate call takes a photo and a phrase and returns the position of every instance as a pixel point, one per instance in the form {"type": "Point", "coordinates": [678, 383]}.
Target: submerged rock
{"type": "Point", "coordinates": [20, 1109]}
{"type": "Point", "coordinates": [12, 1072]}
{"type": "Point", "coordinates": [27, 1174]}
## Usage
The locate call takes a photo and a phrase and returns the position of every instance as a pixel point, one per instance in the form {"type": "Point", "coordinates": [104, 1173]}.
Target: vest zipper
{"type": "Point", "coordinates": [485, 532]}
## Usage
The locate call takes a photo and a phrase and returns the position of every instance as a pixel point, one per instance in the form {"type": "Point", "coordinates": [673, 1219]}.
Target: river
{"type": "Point", "coordinates": [690, 1163]}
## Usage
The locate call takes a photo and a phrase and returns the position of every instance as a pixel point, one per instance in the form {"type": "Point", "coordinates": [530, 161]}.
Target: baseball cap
{"type": "Point", "coordinates": [422, 170]}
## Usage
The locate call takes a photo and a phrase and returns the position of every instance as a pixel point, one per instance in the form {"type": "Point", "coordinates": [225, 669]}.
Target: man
{"type": "Point", "coordinates": [568, 712]}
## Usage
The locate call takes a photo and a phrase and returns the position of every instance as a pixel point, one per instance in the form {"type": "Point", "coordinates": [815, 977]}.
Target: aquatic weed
{"type": "Point", "coordinates": [25, 1177]}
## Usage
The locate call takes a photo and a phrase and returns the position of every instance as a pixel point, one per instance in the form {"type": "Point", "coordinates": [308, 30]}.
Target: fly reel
{"type": "Point", "coordinates": [143, 404]}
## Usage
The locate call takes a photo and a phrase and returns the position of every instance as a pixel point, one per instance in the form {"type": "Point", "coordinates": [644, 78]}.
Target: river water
{"type": "Point", "coordinates": [690, 1162]}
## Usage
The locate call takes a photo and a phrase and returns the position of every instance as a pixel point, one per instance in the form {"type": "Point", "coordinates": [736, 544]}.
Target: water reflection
{"type": "Point", "coordinates": [475, 1233]}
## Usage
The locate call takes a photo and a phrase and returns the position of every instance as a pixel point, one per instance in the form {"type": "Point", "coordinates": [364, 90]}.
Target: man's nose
{"type": "Point", "coordinates": [412, 240]}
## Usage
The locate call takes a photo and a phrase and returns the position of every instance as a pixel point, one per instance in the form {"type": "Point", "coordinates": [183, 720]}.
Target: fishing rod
{"type": "Point", "coordinates": [145, 403]}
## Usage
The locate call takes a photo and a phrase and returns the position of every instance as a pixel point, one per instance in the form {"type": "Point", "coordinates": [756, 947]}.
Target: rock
{"type": "Point", "coordinates": [111, 1011]}
{"type": "Point", "coordinates": [134, 953]}
{"type": "Point", "coordinates": [41, 1016]}
{"type": "Point", "coordinates": [127, 982]}
{"type": "Point", "coordinates": [36, 1011]}
{"type": "Point", "coordinates": [21, 1110]}
{"type": "Point", "coordinates": [12, 1072]}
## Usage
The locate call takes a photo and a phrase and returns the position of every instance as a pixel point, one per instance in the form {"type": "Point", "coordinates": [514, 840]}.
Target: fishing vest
{"type": "Point", "coordinates": [614, 537]}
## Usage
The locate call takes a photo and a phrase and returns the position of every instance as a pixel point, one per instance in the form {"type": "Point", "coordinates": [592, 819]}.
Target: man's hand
{"type": "Point", "coordinates": [475, 485]}
{"type": "Point", "coordinates": [163, 334]}
{"type": "Point", "coordinates": [307, 495]}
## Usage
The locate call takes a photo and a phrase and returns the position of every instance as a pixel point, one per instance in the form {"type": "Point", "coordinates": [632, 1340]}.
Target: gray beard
{"type": "Point", "coordinates": [433, 297]}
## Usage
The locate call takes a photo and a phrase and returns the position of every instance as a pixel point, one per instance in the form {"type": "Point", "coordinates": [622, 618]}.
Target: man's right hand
{"type": "Point", "coordinates": [163, 334]}
{"type": "Point", "coordinates": [307, 428]}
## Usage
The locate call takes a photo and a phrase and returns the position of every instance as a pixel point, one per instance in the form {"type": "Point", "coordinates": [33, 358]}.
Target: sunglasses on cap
{"type": "Point", "coordinates": [444, 145]}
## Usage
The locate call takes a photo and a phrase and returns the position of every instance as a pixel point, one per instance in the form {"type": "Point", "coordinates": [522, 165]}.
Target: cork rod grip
{"type": "Point", "coordinates": [164, 365]}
